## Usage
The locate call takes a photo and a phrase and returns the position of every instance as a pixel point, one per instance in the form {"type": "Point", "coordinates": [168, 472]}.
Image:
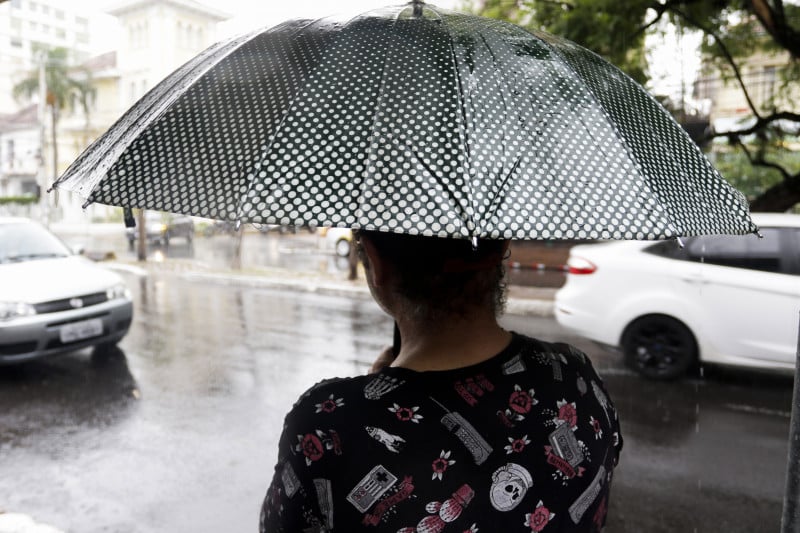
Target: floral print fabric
{"type": "Point", "coordinates": [525, 441]}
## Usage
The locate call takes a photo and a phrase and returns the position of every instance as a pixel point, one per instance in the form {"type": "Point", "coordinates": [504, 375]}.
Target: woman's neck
{"type": "Point", "coordinates": [455, 343]}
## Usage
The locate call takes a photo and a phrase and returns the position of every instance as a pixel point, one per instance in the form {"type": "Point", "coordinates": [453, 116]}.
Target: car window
{"type": "Point", "coordinates": [741, 251]}
{"type": "Point", "coordinates": [27, 242]}
{"type": "Point", "coordinates": [670, 249]}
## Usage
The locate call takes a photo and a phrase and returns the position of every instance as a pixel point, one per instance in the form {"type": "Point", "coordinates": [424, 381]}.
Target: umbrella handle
{"type": "Point", "coordinates": [396, 340]}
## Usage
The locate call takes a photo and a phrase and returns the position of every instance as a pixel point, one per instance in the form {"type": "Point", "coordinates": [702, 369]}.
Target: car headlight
{"type": "Point", "coordinates": [9, 310]}
{"type": "Point", "coordinates": [118, 291]}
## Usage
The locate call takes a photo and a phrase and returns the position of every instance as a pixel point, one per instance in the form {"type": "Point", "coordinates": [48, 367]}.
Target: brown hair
{"type": "Point", "coordinates": [441, 277]}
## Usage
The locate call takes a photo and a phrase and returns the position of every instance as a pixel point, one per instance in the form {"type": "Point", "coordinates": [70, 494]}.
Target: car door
{"type": "Point", "coordinates": [750, 296]}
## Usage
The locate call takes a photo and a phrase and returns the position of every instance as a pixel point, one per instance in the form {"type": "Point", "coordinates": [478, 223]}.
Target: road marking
{"type": "Point", "coordinates": [758, 410]}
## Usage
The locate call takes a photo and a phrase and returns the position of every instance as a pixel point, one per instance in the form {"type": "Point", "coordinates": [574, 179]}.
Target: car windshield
{"type": "Point", "coordinates": [26, 241]}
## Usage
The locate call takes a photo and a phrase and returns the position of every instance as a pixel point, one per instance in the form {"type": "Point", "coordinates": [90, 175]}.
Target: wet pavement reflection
{"type": "Point", "coordinates": [177, 430]}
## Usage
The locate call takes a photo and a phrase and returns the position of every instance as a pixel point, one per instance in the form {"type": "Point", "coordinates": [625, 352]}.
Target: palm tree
{"type": "Point", "coordinates": [66, 87]}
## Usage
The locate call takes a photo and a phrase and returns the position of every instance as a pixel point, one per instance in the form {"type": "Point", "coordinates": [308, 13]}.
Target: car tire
{"type": "Point", "coordinates": [342, 247]}
{"type": "Point", "coordinates": [659, 347]}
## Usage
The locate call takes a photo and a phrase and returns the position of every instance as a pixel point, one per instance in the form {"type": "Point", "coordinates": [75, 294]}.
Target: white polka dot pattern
{"type": "Point", "coordinates": [441, 124]}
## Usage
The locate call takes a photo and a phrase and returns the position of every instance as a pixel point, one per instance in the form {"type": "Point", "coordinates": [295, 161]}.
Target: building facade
{"type": "Point", "coordinates": [156, 37]}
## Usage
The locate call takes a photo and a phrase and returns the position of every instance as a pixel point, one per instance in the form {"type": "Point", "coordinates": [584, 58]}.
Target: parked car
{"type": "Point", "coordinates": [54, 301]}
{"type": "Point", "coordinates": [339, 239]}
{"type": "Point", "coordinates": [161, 228]}
{"type": "Point", "coordinates": [723, 299]}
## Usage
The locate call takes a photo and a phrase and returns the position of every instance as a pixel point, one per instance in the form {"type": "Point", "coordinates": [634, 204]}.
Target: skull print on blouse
{"type": "Point", "coordinates": [525, 441]}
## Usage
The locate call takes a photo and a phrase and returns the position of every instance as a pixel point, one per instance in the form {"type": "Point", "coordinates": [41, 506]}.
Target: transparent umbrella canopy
{"type": "Point", "coordinates": [416, 120]}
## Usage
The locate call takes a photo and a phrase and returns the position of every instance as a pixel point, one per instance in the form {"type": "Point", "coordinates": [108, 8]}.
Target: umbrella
{"type": "Point", "coordinates": [418, 120]}
{"type": "Point", "coordinates": [411, 119]}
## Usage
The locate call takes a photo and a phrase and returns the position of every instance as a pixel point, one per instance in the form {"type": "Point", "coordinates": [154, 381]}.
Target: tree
{"type": "Point", "coordinates": [733, 30]}
{"type": "Point", "coordinates": [65, 87]}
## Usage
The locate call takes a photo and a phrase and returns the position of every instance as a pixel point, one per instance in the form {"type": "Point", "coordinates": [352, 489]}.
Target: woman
{"type": "Point", "coordinates": [467, 427]}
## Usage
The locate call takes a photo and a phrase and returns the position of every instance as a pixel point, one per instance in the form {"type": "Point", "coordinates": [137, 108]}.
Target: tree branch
{"type": "Point", "coordinates": [725, 52]}
{"type": "Point", "coordinates": [774, 21]}
{"type": "Point", "coordinates": [761, 123]}
{"type": "Point", "coordinates": [760, 161]}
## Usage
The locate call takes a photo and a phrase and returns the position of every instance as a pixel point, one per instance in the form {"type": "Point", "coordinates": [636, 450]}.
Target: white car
{"type": "Point", "coordinates": [732, 300]}
{"type": "Point", "coordinates": [53, 301]}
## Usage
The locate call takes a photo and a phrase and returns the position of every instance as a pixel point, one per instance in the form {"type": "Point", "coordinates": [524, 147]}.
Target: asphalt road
{"type": "Point", "coordinates": [177, 431]}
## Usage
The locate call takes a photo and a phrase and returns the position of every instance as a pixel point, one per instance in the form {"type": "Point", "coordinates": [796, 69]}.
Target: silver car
{"type": "Point", "coordinates": [53, 301]}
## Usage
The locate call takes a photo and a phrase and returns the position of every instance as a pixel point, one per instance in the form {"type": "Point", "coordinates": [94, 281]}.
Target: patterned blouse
{"type": "Point", "coordinates": [525, 441]}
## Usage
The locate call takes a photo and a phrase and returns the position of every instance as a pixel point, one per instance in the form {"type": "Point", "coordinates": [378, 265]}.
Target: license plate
{"type": "Point", "coordinates": [81, 330]}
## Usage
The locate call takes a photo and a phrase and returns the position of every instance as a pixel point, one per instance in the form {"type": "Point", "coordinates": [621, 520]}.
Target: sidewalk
{"type": "Point", "coordinates": [522, 300]}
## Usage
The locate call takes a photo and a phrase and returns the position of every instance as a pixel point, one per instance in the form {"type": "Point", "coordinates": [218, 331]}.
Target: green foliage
{"type": "Point", "coordinates": [607, 27]}
{"type": "Point", "coordinates": [18, 200]}
{"type": "Point", "coordinates": [733, 31]}
{"type": "Point", "coordinates": [67, 86]}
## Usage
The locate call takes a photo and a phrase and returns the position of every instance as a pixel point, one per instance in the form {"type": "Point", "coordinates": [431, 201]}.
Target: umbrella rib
{"type": "Point", "coordinates": [113, 141]}
{"type": "Point", "coordinates": [373, 122]}
{"type": "Point", "coordinates": [463, 131]}
{"type": "Point", "coordinates": [614, 128]}
{"type": "Point", "coordinates": [268, 147]}
{"type": "Point", "coordinates": [495, 203]}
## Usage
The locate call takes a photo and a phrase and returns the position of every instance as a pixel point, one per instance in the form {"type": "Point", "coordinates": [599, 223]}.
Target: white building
{"type": "Point", "coordinates": [157, 37]}
{"type": "Point", "coordinates": [29, 25]}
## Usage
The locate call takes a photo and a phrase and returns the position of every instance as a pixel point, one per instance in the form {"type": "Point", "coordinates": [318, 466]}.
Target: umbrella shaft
{"type": "Point", "coordinates": [790, 521]}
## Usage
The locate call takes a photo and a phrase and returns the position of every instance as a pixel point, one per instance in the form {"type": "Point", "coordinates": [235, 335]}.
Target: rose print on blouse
{"type": "Point", "coordinates": [596, 427]}
{"type": "Point", "coordinates": [516, 445]}
{"type": "Point", "coordinates": [314, 445]}
{"type": "Point", "coordinates": [519, 404]}
{"type": "Point", "coordinates": [406, 414]}
{"type": "Point", "coordinates": [539, 518]}
{"type": "Point", "coordinates": [311, 446]}
{"type": "Point", "coordinates": [567, 413]}
{"type": "Point", "coordinates": [440, 465]}
{"type": "Point", "coordinates": [329, 405]}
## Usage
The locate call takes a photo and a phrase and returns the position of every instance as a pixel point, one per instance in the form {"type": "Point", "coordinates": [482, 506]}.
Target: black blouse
{"type": "Point", "coordinates": [525, 441]}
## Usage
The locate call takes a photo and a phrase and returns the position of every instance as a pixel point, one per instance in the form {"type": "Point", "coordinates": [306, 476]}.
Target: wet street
{"type": "Point", "coordinates": [177, 430]}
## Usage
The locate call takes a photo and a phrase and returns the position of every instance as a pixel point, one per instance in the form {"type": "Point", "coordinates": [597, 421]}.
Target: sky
{"type": "Point", "coordinates": [247, 15]}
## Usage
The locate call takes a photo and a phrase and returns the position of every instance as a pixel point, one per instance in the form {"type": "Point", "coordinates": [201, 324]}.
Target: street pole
{"type": "Point", "coordinates": [790, 521]}
{"type": "Point", "coordinates": [41, 174]}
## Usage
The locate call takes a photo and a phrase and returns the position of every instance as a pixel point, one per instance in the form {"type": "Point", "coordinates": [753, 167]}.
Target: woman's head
{"type": "Point", "coordinates": [434, 278]}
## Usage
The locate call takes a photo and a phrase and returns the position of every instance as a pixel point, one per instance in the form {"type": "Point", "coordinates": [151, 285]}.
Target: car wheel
{"type": "Point", "coordinates": [342, 247]}
{"type": "Point", "coordinates": [659, 347]}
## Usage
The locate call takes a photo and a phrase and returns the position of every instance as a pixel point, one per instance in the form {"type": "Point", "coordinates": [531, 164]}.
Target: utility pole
{"type": "Point", "coordinates": [41, 174]}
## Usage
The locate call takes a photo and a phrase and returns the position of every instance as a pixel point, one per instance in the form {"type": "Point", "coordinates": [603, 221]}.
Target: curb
{"type": "Point", "coordinates": [514, 306]}
{"type": "Point", "coordinates": [21, 523]}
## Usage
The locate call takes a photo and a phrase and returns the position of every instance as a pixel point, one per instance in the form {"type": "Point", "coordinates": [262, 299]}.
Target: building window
{"type": "Point", "coordinates": [45, 9]}
{"type": "Point", "coordinates": [16, 4]}
{"type": "Point", "coordinates": [82, 21]}
{"type": "Point", "coordinates": [16, 42]}
{"type": "Point", "coordinates": [60, 33]}
{"type": "Point", "coordinates": [32, 6]}
{"type": "Point", "coordinates": [10, 152]}
{"type": "Point", "coordinates": [59, 14]}
{"type": "Point", "coordinates": [16, 24]}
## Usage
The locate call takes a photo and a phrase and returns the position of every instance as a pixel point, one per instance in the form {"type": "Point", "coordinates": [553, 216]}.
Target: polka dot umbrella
{"type": "Point", "coordinates": [411, 119]}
